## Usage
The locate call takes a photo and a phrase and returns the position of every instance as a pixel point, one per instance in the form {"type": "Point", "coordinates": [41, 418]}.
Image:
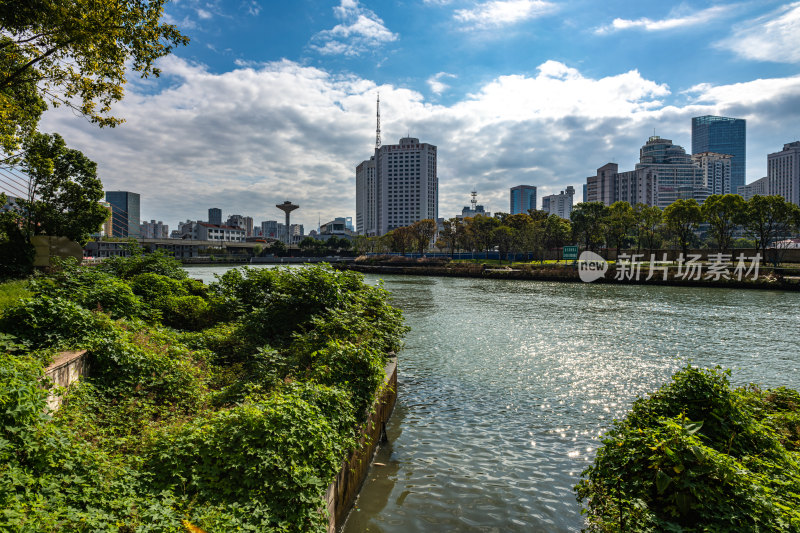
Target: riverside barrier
{"type": "Point", "coordinates": [561, 273]}
{"type": "Point", "coordinates": [65, 370]}
{"type": "Point", "coordinates": [342, 493]}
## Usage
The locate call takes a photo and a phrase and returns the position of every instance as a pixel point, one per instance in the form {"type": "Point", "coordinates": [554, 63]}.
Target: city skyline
{"type": "Point", "coordinates": [274, 101]}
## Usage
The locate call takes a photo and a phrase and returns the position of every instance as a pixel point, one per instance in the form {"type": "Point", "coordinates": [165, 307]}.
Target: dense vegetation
{"type": "Point", "coordinates": [762, 220]}
{"type": "Point", "coordinates": [229, 406]}
{"type": "Point", "coordinates": [698, 455]}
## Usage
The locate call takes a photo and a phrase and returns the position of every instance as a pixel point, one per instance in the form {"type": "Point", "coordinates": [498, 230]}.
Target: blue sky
{"type": "Point", "coordinates": [276, 100]}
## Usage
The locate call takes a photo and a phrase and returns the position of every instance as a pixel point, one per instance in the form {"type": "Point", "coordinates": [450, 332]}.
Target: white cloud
{"type": "Point", "coordinates": [360, 30]}
{"type": "Point", "coordinates": [203, 14]}
{"type": "Point", "coordinates": [674, 22]}
{"type": "Point", "coordinates": [774, 37]}
{"type": "Point", "coordinates": [267, 132]}
{"type": "Point", "coordinates": [437, 85]}
{"type": "Point", "coordinates": [497, 13]}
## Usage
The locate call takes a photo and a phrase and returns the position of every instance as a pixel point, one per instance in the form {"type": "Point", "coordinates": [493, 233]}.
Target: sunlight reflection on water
{"type": "Point", "coordinates": [505, 387]}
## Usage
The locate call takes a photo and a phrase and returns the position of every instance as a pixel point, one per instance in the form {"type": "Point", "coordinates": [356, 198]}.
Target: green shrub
{"type": "Point", "coordinates": [91, 289]}
{"type": "Point", "coordinates": [274, 456]}
{"type": "Point", "coordinates": [694, 456]}
{"type": "Point", "coordinates": [158, 262]}
{"type": "Point", "coordinates": [45, 322]}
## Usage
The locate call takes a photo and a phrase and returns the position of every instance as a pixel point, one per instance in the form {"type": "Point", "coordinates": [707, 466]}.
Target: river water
{"type": "Point", "coordinates": [505, 387]}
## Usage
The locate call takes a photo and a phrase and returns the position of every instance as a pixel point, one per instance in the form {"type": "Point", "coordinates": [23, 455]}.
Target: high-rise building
{"type": "Point", "coordinates": [397, 186]}
{"type": "Point", "coordinates": [722, 135]}
{"type": "Point", "coordinates": [676, 176]}
{"type": "Point", "coordinates": [783, 172]}
{"type": "Point", "coordinates": [559, 204]}
{"type": "Point", "coordinates": [600, 188]}
{"type": "Point", "coordinates": [124, 213]}
{"type": "Point", "coordinates": [215, 216]}
{"type": "Point", "coordinates": [153, 230]}
{"type": "Point", "coordinates": [716, 169]}
{"type": "Point", "coordinates": [523, 198]}
{"type": "Point", "coordinates": [759, 187]}
{"type": "Point", "coordinates": [664, 173]}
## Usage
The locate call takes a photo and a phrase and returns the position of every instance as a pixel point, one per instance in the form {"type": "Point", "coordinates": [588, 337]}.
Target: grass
{"type": "Point", "coordinates": [11, 291]}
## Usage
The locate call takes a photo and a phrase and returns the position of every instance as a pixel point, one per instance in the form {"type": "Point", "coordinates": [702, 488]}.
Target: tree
{"type": "Point", "coordinates": [481, 230]}
{"type": "Point", "coordinates": [587, 225]}
{"type": "Point", "coordinates": [618, 220]}
{"type": "Point", "coordinates": [308, 245]}
{"type": "Point", "coordinates": [16, 252]}
{"type": "Point", "coordinates": [423, 232]}
{"type": "Point", "coordinates": [647, 220]}
{"type": "Point", "coordinates": [682, 218]}
{"type": "Point", "coordinates": [504, 237]}
{"type": "Point", "coordinates": [451, 233]}
{"type": "Point", "coordinates": [556, 231]}
{"type": "Point", "coordinates": [769, 219]}
{"type": "Point", "coordinates": [64, 190]}
{"type": "Point", "coordinates": [400, 239]}
{"type": "Point", "coordinates": [75, 53]}
{"type": "Point", "coordinates": [278, 248]}
{"type": "Point", "coordinates": [723, 214]}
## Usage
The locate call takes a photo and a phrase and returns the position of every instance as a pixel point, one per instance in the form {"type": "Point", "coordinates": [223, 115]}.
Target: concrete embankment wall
{"type": "Point", "coordinates": [562, 274]}
{"type": "Point", "coordinates": [343, 491]}
{"type": "Point", "coordinates": [67, 368]}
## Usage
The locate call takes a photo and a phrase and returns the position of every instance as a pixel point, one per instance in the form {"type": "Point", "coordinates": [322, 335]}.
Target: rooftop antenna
{"type": "Point", "coordinates": [474, 200]}
{"type": "Point", "coordinates": [378, 130]}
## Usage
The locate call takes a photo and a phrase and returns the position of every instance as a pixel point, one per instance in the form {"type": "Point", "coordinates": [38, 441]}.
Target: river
{"type": "Point", "coordinates": [505, 387]}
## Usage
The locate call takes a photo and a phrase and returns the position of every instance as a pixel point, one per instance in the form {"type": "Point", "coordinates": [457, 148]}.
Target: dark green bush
{"type": "Point", "coordinates": [91, 289]}
{"type": "Point", "coordinates": [45, 322]}
{"type": "Point", "coordinates": [214, 426]}
{"type": "Point", "coordinates": [694, 456]}
{"type": "Point", "coordinates": [275, 455]}
{"type": "Point", "coordinates": [158, 262]}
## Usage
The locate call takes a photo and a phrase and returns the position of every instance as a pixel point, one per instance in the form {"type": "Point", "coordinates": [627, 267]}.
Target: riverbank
{"type": "Point", "coordinates": [565, 273]}
{"type": "Point", "coordinates": [227, 407]}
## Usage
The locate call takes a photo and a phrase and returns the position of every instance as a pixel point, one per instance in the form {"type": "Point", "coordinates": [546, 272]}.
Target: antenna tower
{"type": "Point", "coordinates": [378, 130]}
{"type": "Point", "coordinates": [474, 200]}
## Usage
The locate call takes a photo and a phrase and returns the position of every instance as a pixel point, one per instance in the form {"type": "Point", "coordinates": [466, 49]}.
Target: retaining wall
{"type": "Point", "coordinates": [64, 371]}
{"type": "Point", "coordinates": [343, 491]}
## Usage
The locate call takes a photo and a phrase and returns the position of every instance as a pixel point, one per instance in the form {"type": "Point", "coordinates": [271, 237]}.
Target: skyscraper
{"type": "Point", "coordinates": [783, 172]}
{"type": "Point", "coordinates": [397, 186]}
{"type": "Point", "coordinates": [716, 172]}
{"type": "Point", "coordinates": [676, 176]}
{"type": "Point", "coordinates": [722, 135]}
{"type": "Point", "coordinates": [124, 213]}
{"type": "Point", "coordinates": [215, 216]}
{"type": "Point", "coordinates": [559, 204]}
{"type": "Point", "coordinates": [523, 198]}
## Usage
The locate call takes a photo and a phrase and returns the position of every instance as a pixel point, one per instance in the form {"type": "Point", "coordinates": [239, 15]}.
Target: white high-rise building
{"type": "Point", "coordinates": [759, 187]}
{"type": "Point", "coordinates": [716, 170]}
{"type": "Point", "coordinates": [559, 204]}
{"type": "Point", "coordinates": [397, 186]}
{"type": "Point", "coordinates": [783, 171]}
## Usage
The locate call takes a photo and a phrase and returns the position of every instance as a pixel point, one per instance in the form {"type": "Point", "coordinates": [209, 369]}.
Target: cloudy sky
{"type": "Point", "coordinates": [276, 100]}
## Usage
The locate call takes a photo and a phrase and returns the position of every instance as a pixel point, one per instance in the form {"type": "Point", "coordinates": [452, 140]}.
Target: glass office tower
{"type": "Point", "coordinates": [722, 135]}
{"type": "Point", "coordinates": [523, 198]}
{"type": "Point", "coordinates": [124, 213]}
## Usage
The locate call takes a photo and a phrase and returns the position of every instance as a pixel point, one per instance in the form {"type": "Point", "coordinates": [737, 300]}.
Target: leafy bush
{"type": "Point", "coordinates": [274, 456]}
{"type": "Point", "coordinates": [91, 289]}
{"type": "Point", "coordinates": [158, 262]}
{"type": "Point", "coordinates": [215, 426]}
{"type": "Point", "coordinates": [696, 456]}
{"type": "Point", "coordinates": [45, 322]}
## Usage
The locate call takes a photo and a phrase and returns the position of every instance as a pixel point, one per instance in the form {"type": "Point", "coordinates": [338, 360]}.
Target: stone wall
{"type": "Point", "coordinates": [67, 368]}
{"type": "Point", "coordinates": [343, 491]}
